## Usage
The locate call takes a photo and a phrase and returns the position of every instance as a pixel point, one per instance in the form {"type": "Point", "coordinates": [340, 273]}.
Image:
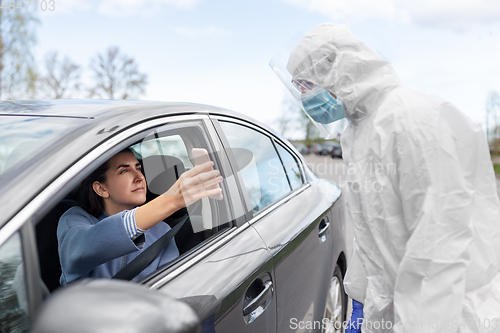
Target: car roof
{"type": "Point", "coordinates": [101, 110]}
{"type": "Point", "coordinates": [92, 122]}
{"type": "Point", "coordinates": [84, 109]}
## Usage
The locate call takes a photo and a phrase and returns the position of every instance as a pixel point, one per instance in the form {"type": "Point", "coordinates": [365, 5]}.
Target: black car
{"type": "Point", "coordinates": [336, 151]}
{"type": "Point", "coordinates": [302, 148]}
{"type": "Point", "coordinates": [271, 253]}
{"type": "Point", "coordinates": [316, 149]}
{"type": "Point", "coordinates": [327, 147]}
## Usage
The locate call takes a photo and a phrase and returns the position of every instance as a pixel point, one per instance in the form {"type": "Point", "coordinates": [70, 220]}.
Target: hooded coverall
{"type": "Point", "coordinates": [421, 195]}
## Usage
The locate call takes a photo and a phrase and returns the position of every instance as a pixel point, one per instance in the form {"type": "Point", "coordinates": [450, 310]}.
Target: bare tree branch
{"type": "Point", "coordinates": [116, 76]}
{"type": "Point", "coordinates": [62, 78]}
{"type": "Point", "coordinates": [293, 121]}
{"type": "Point", "coordinates": [18, 73]}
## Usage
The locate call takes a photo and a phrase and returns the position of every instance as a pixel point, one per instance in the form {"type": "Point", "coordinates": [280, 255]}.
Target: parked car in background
{"type": "Point", "coordinates": [327, 147]}
{"type": "Point", "coordinates": [336, 151]}
{"type": "Point", "coordinates": [273, 249]}
{"type": "Point", "coordinates": [316, 148]}
{"type": "Point", "coordinates": [301, 148]}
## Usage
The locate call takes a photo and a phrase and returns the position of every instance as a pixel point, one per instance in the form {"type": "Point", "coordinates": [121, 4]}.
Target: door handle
{"type": "Point", "coordinates": [323, 228]}
{"type": "Point", "coordinates": [254, 307]}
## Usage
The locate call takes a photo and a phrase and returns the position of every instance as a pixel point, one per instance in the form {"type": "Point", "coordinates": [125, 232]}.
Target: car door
{"type": "Point", "coordinates": [292, 217]}
{"type": "Point", "coordinates": [227, 279]}
{"type": "Point", "coordinates": [225, 276]}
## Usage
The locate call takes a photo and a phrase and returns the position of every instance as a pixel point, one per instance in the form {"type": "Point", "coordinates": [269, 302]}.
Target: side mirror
{"type": "Point", "coordinates": [108, 306]}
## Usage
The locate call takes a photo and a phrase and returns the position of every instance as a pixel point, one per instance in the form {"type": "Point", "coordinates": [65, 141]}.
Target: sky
{"type": "Point", "coordinates": [217, 52]}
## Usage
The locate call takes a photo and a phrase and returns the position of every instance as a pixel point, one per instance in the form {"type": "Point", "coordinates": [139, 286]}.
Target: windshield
{"type": "Point", "coordinates": [22, 136]}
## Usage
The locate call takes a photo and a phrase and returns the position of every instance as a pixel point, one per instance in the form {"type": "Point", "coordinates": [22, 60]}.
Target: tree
{"type": "Point", "coordinates": [287, 121]}
{"type": "Point", "coordinates": [293, 119]}
{"type": "Point", "coordinates": [116, 76]}
{"type": "Point", "coordinates": [495, 142]}
{"type": "Point", "coordinates": [312, 134]}
{"type": "Point", "coordinates": [18, 73]}
{"type": "Point", "coordinates": [62, 77]}
{"type": "Point", "coordinates": [492, 118]}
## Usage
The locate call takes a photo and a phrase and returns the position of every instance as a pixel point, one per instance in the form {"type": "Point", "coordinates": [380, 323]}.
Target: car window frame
{"type": "Point", "coordinates": [26, 219]}
{"type": "Point", "coordinates": [295, 157]}
{"type": "Point", "coordinates": [253, 217]}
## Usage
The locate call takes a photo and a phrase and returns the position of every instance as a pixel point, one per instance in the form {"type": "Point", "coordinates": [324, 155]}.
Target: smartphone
{"type": "Point", "coordinates": [200, 155]}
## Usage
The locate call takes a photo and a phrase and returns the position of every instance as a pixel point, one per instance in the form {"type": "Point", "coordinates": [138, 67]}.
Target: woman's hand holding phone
{"type": "Point", "coordinates": [200, 156]}
{"type": "Point", "coordinates": [199, 182]}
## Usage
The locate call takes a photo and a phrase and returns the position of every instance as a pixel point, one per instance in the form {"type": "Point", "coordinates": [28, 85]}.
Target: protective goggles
{"type": "Point", "coordinates": [303, 86]}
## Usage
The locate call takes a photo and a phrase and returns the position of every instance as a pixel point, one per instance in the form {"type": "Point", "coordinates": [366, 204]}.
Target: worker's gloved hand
{"type": "Point", "coordinates": [356, 318]}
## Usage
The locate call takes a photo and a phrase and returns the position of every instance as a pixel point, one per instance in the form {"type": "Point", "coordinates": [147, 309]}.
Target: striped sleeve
{"type": "Point", "coordinates": [128, 218]}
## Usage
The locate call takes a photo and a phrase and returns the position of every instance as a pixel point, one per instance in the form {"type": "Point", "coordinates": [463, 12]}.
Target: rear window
{"type": "Point", "coordinates": [22, 136]}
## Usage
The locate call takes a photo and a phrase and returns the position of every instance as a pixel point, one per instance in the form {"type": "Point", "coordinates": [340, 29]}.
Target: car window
{"type": "Point", "coordinates": [291, 167]}
{"type": "Point", "coordinates": [263, 175]}
{"type": "Point", "coordinates": [158, 151]}
{"type": "Point", "coordinates": [13, 297]}
{"type": "Point", "coordinates": [170, 147]}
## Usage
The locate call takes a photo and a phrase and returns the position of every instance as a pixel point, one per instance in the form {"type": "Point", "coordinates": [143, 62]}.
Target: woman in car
{"type": "Point", "coordinates": [111, 227]}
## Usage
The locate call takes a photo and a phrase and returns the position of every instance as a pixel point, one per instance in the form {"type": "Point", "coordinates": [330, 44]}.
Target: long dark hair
{"type": "Point", "coordinates": [90, 200]}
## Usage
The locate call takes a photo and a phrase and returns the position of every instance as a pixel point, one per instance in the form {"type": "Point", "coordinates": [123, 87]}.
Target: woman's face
{"type": "Point", "coordinates": [125, 185]}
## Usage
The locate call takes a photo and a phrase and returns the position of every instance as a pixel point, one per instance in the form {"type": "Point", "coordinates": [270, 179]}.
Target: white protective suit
{"type": "Point", "coordinates": [421, 195]}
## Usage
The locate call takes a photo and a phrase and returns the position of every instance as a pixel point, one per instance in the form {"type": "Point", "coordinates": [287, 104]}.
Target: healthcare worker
{"type": "Point", "coordinates": [421, 192]}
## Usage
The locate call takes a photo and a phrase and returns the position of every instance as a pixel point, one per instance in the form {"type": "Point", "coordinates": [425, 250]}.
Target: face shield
{"type": "Point", "coordinates": [322, 107]}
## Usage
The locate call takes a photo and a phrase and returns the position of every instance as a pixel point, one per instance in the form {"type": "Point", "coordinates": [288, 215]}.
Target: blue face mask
{"type": "Point", "coordinates": [321, 106]}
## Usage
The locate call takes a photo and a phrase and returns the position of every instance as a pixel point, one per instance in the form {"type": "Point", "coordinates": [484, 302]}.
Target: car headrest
{"type": "Point", "coordinates": [161, 172]}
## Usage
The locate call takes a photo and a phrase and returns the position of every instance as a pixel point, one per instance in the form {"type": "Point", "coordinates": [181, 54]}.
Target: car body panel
{"type": "Point", "coordinates": [299, 254]}
{"type": "Point", "coordinates": [226, 273]}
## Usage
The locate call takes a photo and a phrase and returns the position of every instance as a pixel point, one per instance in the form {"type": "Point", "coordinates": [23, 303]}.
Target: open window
{"type": "Point", "coordinates": [165, 153]}
{"type": "Point", "coordinates": [271, 174]}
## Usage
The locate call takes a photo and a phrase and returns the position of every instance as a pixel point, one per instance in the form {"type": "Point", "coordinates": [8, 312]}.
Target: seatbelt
{"type": "Point", "coordinates": [147, 256]}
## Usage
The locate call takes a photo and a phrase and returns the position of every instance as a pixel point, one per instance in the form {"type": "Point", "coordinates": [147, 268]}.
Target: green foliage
{"type": "Point", "coordinates": [495, 143]}
{"type": "Point", "coordinates": [18, 72]}
{"type": "Point", "coordinates": [496, 166]}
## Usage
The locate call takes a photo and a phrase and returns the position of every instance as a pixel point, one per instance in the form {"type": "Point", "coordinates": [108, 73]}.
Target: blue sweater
{"type": "Point", "coordinates": [99, 248]}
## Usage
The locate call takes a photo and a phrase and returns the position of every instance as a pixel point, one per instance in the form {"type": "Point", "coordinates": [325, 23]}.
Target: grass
{"type": "Point", "coordinates": [496, 166]}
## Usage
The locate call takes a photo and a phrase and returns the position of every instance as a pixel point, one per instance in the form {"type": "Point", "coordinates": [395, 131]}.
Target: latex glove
{"type": "Point", "coordinates": [356, 318]}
